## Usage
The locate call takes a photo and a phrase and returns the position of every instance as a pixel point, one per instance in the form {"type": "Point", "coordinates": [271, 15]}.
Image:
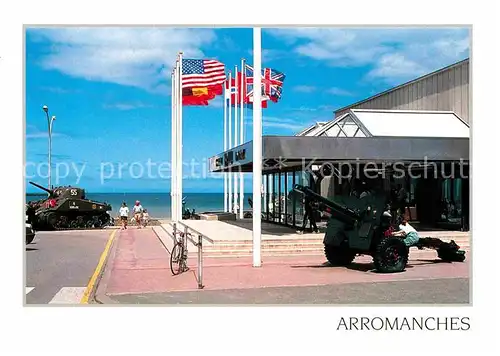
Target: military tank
{"type": "Point", "coordinates": [66, 208]}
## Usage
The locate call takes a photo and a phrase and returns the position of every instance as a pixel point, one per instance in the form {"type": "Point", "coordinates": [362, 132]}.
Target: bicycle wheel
{"type": "Point", "coordinates": [176, 259]}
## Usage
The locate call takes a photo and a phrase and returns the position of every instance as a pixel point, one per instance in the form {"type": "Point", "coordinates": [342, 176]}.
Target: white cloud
{"type": "Point", "coordinates": [304, 88]}
{"type": "Point", "coordinates": [33, 132]}
{"type": "Point", "coordinates": [216, 103]}
{"type": "Point", "coordinates": [137, 57]}
{"type": "Point", "coordinates": [339, 91]}
{"type": "Point", "coordinates": [276, 122]}
{"type": "Point", "coordinates": [395, 54]}
{"type": "Point", "coordinates": [33, 135]}
{"type": "Point", "coordinates": [127, 106]}
{"type": "Point", "coordinates": [267, 55]}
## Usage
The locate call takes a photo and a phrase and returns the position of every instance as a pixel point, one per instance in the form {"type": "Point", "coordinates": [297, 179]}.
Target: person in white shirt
{"type": "Point", "coordinates": [408, 232]}
{"type": "Point", "coordinates": [138, 213]}
{"type": "Point", "coordinates": [145, 218]}
{"type": "Point", "coordinates": [124, 215]}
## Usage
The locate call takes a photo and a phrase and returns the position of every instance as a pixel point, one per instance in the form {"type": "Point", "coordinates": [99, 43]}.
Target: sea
{"type": "Point", "coordinates": [158, 204]}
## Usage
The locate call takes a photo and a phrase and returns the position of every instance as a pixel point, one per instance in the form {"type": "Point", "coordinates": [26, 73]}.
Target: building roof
{"type": "Point", "coordinates": [394, 123]}
{"type": "Point", "coordinates": [401, 85]}
{"type": "Point", "coordinates": [311, 129]}
{"type": "Point", "coordinates": [292, 152]}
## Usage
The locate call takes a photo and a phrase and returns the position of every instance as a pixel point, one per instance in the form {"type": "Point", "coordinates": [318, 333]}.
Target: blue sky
{"type": "Point", "coordinates": [110, 91]}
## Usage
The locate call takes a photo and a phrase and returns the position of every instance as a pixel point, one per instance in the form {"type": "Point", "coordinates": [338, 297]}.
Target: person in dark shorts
{"type": "Point", "coordinates": [124, 215]}
{"type": "Point", "coordinates": [310, 214]}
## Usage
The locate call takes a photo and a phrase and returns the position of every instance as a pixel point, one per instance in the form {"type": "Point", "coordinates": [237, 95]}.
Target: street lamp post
{"type": "Point", "coordinates": [50, 120]}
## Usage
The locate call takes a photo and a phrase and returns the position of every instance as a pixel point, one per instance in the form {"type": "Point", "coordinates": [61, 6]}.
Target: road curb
{"type": "Point", "coordinates": [99, 296]}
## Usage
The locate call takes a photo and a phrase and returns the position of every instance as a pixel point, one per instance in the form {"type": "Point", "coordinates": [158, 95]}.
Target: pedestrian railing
{"type": "Point", "coordinates": [188, 233]}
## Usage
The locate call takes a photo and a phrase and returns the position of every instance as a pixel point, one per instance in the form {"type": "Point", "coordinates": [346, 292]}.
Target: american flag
{"type": "Point", "coordinates": [271, 81]}
{"type": "Point", "coordinates": [202, 73]}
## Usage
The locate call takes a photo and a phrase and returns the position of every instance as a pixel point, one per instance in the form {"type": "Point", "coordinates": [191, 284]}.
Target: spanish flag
{"type": "Point", "coordinates": [197, 96]}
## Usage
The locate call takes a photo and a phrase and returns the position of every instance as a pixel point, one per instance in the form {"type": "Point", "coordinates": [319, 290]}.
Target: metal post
{"type": "Point", "coordinates": [179, 143]}
{"type": "Point", "coordinates": [257, 148]}
{"type": "Point", "coordinates": [229, 146]}
{"type": "Point", "coordinates": [49, 126]}
{"type": "Point", "coordinates": [242, 125]}
{"type": "Point", "coordinates": [293, 200]}
{"type": "Point", "coordinates": [50, 153]}
{"type": "Point", "coordinates": [286, 198]}
{"type": "Point", "coordinates": [235, 189]}
{"type": "Point", "coordinates": [226, 198]}
{"type": "Point", "coordinates": [173, 198]}
{"type": "Point", "coordinates": [200, 262]}
{"type": "Point", "coordinates": [185, 240]}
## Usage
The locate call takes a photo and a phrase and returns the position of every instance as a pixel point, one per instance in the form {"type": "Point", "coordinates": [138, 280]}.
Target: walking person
{"type": "Point", "coordinates": [138, 210]}
{"type": "Point", "coordinates": [145, 218]}
{"type": "Point", "coordinates": [124, 215]}
{"type": "Point", "coordinates": [401, 199]}
{"type": "Point", "coordinates": [309, 215]}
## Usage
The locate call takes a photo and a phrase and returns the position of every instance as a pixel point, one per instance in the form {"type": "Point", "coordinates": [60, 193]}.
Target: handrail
{"type": "Point", "coordinates": [198, 244]}
{"type": "Point", "coordinates": [196, 232]}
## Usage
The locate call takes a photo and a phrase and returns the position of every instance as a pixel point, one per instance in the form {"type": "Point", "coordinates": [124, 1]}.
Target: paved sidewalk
{"type": "Point", "coordinates": [433, 291]}
{"type": "Point", "coordinates": [139, 265]}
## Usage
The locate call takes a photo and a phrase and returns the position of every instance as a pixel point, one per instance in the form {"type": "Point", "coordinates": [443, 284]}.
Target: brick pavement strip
{"type": "Point", "coordinates": [432, 291]}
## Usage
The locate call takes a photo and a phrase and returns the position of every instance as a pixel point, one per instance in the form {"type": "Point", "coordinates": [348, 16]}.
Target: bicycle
{"type": "Point", "coordinates": [179, 255]}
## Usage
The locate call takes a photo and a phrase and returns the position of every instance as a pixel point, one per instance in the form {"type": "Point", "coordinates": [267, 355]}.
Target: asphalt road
{"type": "Point", "coordinates": [59, 265]}
{"type": "Point", "coordinates": [430, 291]}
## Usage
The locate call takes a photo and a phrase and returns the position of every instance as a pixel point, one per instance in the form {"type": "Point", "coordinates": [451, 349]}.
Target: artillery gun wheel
{"type": "Point", "coordinates": [339, 255]}
{"type": "Point", "coordinates": [391, 255]}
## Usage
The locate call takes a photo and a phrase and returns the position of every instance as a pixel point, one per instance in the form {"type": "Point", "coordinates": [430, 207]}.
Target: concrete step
{"type": "Point", "coordinates": [222, 244]}
{"type": "Point", "coordinates": [309, 244]}
{"type": "Point", "coordinates": [317, 249]}
{"type": "Point", "coordinates": [428, 254]}
{"type": "Point", "coordinates": [290, 245]}
{"type": "Point", "coordinates": [264, 245]}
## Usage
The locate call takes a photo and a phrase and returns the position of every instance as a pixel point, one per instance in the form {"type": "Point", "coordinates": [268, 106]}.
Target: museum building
{"type": "Point", "coordinates": [419, 130]}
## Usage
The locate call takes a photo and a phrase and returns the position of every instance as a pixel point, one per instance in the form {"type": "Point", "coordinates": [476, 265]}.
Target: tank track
{"type": "Point", "coordinates": [56, 222]}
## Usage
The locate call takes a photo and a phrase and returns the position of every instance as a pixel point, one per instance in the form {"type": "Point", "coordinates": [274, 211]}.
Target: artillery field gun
{"type": "Point", "coordinates": [363, 227]}
{"type": "Point", "coordinates": [67, 208]}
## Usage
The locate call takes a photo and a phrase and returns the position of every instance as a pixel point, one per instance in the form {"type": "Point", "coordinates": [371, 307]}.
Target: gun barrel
{"type": "Point", "coordinates": [327, 202]}
{"type": "Point", "coordinates": [41, 187]}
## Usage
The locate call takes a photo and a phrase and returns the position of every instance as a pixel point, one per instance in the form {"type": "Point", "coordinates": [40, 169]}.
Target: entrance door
{"type": "Point", "coordinates": [428, 200]}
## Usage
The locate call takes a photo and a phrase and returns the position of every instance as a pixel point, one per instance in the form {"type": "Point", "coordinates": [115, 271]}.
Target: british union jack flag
{"type": "Point", "coordinates": [271, 82]}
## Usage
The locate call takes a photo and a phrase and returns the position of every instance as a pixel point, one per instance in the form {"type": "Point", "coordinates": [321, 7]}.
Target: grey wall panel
{"type": "Point", "coordinates": [447, 90]}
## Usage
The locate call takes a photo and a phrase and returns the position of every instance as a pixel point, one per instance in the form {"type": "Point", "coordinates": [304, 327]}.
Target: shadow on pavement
{"type": "Point", "coordinates": [429, 262]}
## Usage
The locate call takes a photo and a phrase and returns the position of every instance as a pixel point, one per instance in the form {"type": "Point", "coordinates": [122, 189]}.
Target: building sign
{"type": "Point", "coordinates": [240, 155]}
{"type": "Point", "coordinates": [228, 158]}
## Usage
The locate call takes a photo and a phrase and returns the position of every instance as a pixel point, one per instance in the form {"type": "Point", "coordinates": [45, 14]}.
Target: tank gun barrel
{"type": "Point", "coordinates": [50, 191]}
{"type": "Point", "coordinates": [335, 207]}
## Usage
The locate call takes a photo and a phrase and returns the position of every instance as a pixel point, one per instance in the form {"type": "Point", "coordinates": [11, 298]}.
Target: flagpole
{"type": "Point", "coordinates": [257, 148]}
{"type": "Point", "coordinates": [242, 124]}
{"type": "Point", "coordinates": [226, 198]}
{"type": "Point", "coordinates": [235, 196]}
{"type": "Point", "coordinates": [174, 149]}
{"type": "Point", "coordinates": [179, 144]}
{"type": "Point", "coordinates": [176, 138]}
{"type": "Point", "coordinates": [230, 189]}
